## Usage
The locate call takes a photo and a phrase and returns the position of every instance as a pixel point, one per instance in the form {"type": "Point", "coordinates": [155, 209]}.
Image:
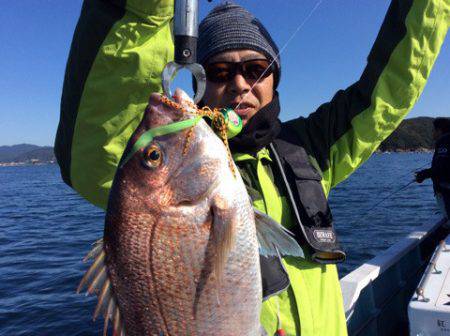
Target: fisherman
{"type": "Point", "coordinates": [440, 166]}
{"type": "Point", "coordinates": [117, 55]}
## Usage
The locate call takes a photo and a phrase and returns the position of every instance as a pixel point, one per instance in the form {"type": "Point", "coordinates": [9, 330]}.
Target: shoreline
{"type": "Point", "coordinates": [20, 164]}
{"type": "Point", "coordinates": [400, 151]}
{"type": "Point", "coordinates": [378, 152]}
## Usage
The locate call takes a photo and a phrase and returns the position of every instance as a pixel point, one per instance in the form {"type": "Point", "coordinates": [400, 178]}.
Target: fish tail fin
{"type": "Point", "coordinates": [96, 280]}
{"type": "Point", "coordinates": [272, 237]}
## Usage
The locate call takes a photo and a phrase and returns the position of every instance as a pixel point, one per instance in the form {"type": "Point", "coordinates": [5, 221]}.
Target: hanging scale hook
{"type": "Point", "coordinates": [186, 35]}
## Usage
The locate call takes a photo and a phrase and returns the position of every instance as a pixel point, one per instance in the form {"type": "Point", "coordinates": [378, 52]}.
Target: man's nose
{"type": "Point", "coordinates": [238, 84]}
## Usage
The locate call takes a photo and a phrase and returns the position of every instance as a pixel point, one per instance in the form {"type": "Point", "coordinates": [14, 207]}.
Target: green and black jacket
{"type": "Point", "coordinates": [117, 55]}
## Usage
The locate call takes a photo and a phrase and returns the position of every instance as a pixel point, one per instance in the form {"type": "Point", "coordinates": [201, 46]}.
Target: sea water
{"type": "Point", "coordinates": [46, 229]}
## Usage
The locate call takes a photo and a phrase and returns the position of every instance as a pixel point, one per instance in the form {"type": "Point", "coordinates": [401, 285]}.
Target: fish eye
{"type": "Point", "coordinates": [152, 156]}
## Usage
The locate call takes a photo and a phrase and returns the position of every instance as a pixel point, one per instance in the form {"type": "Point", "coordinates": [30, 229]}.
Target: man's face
{"type": "Point", "coordinates": [237, 89]}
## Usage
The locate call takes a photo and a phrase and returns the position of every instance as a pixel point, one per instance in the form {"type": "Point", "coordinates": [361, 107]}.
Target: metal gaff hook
{"type": "Point", "coordinates": [186, 33]}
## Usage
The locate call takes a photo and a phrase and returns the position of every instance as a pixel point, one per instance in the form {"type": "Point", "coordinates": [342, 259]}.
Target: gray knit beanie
{"type": "Point", "coordinates": [231, 27]}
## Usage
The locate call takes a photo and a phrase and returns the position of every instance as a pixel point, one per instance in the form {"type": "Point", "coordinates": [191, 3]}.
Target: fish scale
{"type": "Point", "coordinates": [183, 294]}
{"type": "Point", "coordinates": [168, 240]}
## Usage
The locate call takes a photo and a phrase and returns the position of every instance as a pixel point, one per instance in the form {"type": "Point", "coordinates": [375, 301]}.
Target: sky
{"type": "Point", "coordinates": [327, 53]}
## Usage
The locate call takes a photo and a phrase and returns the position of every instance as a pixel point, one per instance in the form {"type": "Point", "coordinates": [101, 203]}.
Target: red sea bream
{"type": "Point", "coordinates": [179, 254]}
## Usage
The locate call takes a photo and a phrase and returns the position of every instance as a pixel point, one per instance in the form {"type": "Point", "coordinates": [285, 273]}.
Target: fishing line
{"type": "Point", "coordinates": [426, 164]}
{"type": "Point", "coordinates": [391, 194]}
{"type": "Point", "coordinates": [398, 190]}
{"type": "Point", "coordinates": [414, 170]}
{"type": "Point", "coordinates": [281, 50]}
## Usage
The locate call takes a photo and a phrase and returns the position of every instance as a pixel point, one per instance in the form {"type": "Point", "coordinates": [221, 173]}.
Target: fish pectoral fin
{"type": "Point", "coordinates": [223, 228]}
{"type": "Point", "coordinates": [96, 280]}
{"type": "Point", "coordinates": [274, 239]}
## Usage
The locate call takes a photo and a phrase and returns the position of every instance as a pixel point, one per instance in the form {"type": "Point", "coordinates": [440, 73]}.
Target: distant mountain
{"type": "Point", "coordinates": [26, 153]}
{"type": "Point", "coordinates": [413, 134]}
{"type": "Point", "coordinates": [43, 154]}
{"type": "Point", "coordinates": [9, 153]}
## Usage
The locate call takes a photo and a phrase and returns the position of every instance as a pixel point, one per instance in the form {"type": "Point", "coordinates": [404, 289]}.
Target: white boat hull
{"type": "Point", "coordinates": [376, 294]}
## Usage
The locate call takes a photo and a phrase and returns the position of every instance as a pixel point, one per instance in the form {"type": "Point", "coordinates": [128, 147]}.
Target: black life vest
{"type": "Point", "coordinates": [314, 230]}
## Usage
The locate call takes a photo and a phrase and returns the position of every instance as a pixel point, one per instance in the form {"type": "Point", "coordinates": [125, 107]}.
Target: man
{"type": "Point", "coordinates": [440, 166]}
{"type": "Point", "coordinates": [289, 168]}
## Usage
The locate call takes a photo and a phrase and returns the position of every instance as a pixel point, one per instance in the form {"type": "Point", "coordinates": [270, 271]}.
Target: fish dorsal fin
{"type": "Point", "coordinates": [96, 281]}
{"type": "Point", "coordinates": [274, 239]}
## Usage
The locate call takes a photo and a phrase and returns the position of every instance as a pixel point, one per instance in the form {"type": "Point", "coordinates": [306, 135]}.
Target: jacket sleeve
{"type": "Point", "coordinates": [118, 51]}
{"type": "Point", "coordinates": [344, 132]}
{"type": "Point", "coordinates": [425, 174]}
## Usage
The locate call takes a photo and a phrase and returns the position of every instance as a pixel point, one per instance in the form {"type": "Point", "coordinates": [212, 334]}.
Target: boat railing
{"type": "Point", "coordinates": [377, 293]}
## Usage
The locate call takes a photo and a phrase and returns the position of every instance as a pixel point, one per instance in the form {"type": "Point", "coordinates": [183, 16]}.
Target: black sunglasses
{"type": "Point", "coordinates": [251, 70]}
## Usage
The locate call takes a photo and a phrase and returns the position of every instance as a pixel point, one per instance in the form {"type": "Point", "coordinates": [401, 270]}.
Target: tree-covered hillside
{"type": "Point", "coordinates": [26, 153]}
{"type": "Point", "coordinates": [412, 135]}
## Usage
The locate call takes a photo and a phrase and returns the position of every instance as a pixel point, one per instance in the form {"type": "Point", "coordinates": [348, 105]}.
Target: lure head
{"type": "Point", "coordinates": [232, 121]}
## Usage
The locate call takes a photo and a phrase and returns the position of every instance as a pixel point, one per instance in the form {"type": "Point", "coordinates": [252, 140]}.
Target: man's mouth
{"type": "Point", "coordinates": [242, 109]}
